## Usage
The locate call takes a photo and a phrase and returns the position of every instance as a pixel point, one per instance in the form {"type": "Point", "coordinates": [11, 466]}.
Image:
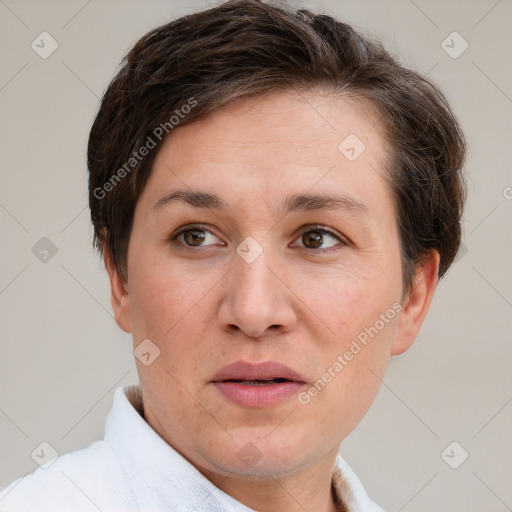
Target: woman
{"type": "Point", "coordinates": [275, 199]}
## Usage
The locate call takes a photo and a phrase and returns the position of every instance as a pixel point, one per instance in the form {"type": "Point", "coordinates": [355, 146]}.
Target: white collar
{"type": "Point", "coordinates": [147, 460]}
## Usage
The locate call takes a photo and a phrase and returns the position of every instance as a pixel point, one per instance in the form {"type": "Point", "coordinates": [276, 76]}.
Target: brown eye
{"type": "Point", "coordinates": [319, 238]}
{"type": "Point", "coordinates": [196, 237]}
{"type": "Point", "coordinates": [312, 239]}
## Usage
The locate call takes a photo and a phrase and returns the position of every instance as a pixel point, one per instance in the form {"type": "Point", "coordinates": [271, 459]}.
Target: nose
{"type": "Point", "coordinates": [257, 300]}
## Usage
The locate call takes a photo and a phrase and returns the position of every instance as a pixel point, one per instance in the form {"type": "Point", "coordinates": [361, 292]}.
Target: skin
{"type": "Point", "coordinates": [205, 307]}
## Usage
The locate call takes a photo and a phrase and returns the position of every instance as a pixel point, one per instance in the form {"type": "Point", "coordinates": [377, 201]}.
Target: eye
{"type": "Point", "coordinates": [195, 237]}
{"type": "Point", "coordinates": [315, 236]}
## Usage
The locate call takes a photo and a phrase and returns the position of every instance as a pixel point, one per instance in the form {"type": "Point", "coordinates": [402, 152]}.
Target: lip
{"type": "Point", "coordinates": [264, 395]}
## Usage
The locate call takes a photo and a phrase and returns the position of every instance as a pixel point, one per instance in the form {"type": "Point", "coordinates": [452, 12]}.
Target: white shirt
{"type": "Point", "coordinates": [134, 469]}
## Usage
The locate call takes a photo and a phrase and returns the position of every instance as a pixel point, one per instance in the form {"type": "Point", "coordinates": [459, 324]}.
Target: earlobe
{"type": "Point", "coordinates": [416, 304]}
{"type": "Point", "coordinates": [119, 297]}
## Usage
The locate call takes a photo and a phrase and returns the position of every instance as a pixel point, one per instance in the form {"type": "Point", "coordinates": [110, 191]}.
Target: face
{"type": "Point", "coordinates": [264, 265]}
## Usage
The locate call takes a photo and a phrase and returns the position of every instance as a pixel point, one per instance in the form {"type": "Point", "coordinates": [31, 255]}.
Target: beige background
{"type": "Point", "coordinates": [62, 355]}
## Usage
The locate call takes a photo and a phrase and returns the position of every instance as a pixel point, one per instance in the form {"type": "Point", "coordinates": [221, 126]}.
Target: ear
{"type": "Point", "coordinates": [118, 294]}
{"type": "Point", "coordinates": [416, 304]}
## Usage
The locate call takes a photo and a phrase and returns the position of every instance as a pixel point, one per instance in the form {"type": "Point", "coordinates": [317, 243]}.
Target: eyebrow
{"type": "Point", "coordinates": [294, 203]}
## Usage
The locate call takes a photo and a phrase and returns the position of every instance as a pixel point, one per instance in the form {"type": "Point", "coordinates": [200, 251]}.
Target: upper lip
{"type": "Point", "coordinates": [268, 370]}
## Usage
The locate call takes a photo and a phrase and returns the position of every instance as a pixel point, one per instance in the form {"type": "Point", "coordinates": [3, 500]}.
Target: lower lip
{"type": "Point", "coordinates": [258, 396]}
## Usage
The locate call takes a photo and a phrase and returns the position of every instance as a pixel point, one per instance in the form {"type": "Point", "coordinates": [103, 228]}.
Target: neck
{"type": "Point", "coordinates": [307, 490]}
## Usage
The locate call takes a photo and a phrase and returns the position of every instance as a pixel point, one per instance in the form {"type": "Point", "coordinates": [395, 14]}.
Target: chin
{"type": "Point", "coordinates": [257, 452]}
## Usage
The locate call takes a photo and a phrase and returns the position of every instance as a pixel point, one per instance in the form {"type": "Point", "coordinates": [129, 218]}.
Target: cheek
{"type": "Point", "coordinates": [353, 370]}
{"type": "Point", "coordinates": [347, 300]}
{"type": "Point", "coordinates": [362, 314]}
{"type": "Point", "coordinates": [164, 298]}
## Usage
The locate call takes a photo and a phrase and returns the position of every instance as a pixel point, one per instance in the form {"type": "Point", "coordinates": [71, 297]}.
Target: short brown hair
{"type": "Point", "coordinates": [249, 47]}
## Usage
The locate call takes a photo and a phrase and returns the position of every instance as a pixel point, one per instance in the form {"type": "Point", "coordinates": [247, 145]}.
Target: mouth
{"type": "Point", "coordinates": [257, 385]}
{"type": "Point", "coordinates": [261, 382]}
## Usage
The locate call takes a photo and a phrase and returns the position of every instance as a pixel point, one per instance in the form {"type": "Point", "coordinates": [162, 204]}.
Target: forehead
{"type": "Point", "coordinates": [262, 146]}
{"type": "Point", "coordinates": [288, 120]}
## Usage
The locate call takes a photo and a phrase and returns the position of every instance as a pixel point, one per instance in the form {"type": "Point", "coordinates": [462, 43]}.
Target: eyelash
{"type": "Point", "coordinates": [318, 228]}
